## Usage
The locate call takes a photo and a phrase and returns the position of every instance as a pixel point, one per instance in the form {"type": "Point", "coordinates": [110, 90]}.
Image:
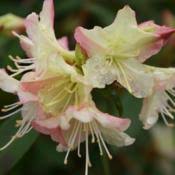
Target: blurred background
{"type": "Point", "coordinates": [153, 152]}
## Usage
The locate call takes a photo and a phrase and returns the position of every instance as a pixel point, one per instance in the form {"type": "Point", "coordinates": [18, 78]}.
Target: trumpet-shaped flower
{"type": "Point", "coordinates": [41, 44]}
{"type": "Point", "coordinates": [77, 123]}
{"type": "Point", "coordinates": [161, 101]}
{"type": "Point", "coordinates": [115, 52]}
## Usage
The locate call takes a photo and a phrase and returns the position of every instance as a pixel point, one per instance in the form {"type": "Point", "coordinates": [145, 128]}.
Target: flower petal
{"type": "Point", "coordinates": [135, 78]}
{"type": "Point", "coordinates": [162, 34]}
{"type": "Point", "coordinates": [161, 101]}
{"type": "Point", "coordinates": [122, 38]}
{"type": "Point", "coordinates": [109, 121]}
{"type": "Point", "coordinates": [54, 131]}
{"type": "Point", "coordinates": [47, 13]}
{"type": "Point", "coordinates": [87, 114]}
{"type": "Point", "coordinates": [129, 73]}
{"type": "Point", "coordinates": [150, 110]}
{"type": "Point", "coordinates": [116, 138]}
{"type": "Point", "coordinates": [41, 33]}
{"type": "Point", "coordinates": [8, 83]}
{"type": "Point", "coordinates": [64, 42]}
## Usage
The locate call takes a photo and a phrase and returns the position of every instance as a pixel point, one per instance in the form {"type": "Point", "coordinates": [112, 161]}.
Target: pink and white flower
{"type": "Point", "coordinates": [161, 101]}
{"type": "Point", "coordinates": [115, 52]}
{"type": "Point", "coordinates": [78, 123]}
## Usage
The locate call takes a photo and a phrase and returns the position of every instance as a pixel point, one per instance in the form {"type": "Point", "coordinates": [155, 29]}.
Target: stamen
{"type": "Point", "coordinates": [55, 101]}
{"type": "Point", "coordinates": [10, 108]}
{"type": "Point", "coordinates": [16, 103]}
{"type": "Point", "coordinates": [25, 127]}
{"type": "Point", "coordinates": [168, 113]}
{"type": "Point", "coordinates": [98, 139]}
{"type": "Point", "coordinates": [11, 69]}
{"type": "Point", "coordinates": [87, 151]}
{"type": "Point", "coordinates": [23, 61]}
{"type": "Point", "coordinates": [67, 102]}
{"type": "Point", "coordinates": [66, 157]}
{"type": "Point", "coordinates": [102, 140]}
{"type": "Point", "coordinates": [28, 68]}
{"type": "Point", "coordinates": [9, 115]}
{"type": "Point", "coordinates": [170, 99]}
{"type": "Point", "coordinates": [8, 144]}
{"type": "Point", "coordinates": [125, 77]}
{"type": "Point", "coordinates": [79, 141]}
{"type": "Point", "coordinates": [92, 133]}
{"type": "Point", "coordinates": [165, 120]}
{"type": "Point", "coordinates": [171, 91]}
{"type": "Point", "coordinates": [71, 140]}
{"type": "Point", "coordinates": [61, 83]}
{"type": "Point", "coordinates": [71, 90]}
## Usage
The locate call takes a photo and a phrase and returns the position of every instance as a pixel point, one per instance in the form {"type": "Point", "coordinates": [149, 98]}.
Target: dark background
{"type": "Point", "coordinates": [153, 152]}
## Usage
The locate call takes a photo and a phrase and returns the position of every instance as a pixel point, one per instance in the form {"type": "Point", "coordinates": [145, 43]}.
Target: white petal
{"type": "Point", "coordinates": [115, 137]}
{"type": "Point", "coordinates": [152, 105]}
{"type": "Point", "coordinates": [8, 83]}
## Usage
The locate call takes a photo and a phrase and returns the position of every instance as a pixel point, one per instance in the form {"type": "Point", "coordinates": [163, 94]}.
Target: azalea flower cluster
{"type": "Point", "coordinates": [55, 87]}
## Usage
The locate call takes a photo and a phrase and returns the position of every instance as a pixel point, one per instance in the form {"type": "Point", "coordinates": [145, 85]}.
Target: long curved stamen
{"type": "Point", "coordinates": [69, 98]}
{"type": "Point", "coordinates": [9, 143]}
{"type": "Point", "coordinates": [71, 90]}
{"type": "Point", "coordinates": [57, 85]}
{"type": "Point", "coordinates": [102, 140]}
{"type": "Point", "coordinates": [6, 106]}
{"type": "Point", "coordinates": [9, 115]}
{"type": "Point", "coordinates": [98, 139]}
{"type": "Point", "coordinates": [92, 134]}
{"type": "Point", "coordinates": [76, 136]}
{"type": "Point", "coordinates": [9, 68]}
{"type": "Point", "coordinates": [87, 150]}
{"type": "Point", "coordinates": [168, 113]}
{"type": "Point", "coordinates": [170, 99]}
{"type": "Point", "coordinates": [72, 140]}
{"type": "Point", "coordinates": [22, 70]}
{"type": "Point", "coordinates": [22, 61]}
{"type": "Point", "coordinates": [24, 128]}
{"type": "Point", "coordinates": [165, 120]}
{"type": "Point", "coordinates": [54, 99]}
{"type": "Point", "coordinates": [10, 108]}
{"type": "Point", "coordinates": [124, 76]}
{"type": "Point", "coordinates": [79, 141]}
{"type": "Point", "coordinates": [168, 107]}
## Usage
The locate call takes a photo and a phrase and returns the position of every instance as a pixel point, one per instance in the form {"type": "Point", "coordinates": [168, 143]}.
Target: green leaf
{"type": "Point", "coordinates": [11, 155]}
